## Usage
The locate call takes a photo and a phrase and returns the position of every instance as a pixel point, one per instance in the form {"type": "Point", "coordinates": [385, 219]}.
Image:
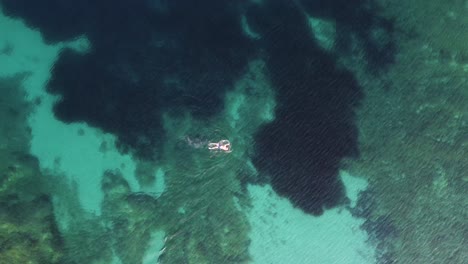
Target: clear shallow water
{"type": "Point", "coordinates": [96, 115]}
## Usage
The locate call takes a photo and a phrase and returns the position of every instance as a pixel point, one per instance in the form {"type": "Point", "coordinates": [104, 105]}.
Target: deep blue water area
{"type": "Point", "coordinates": [151, 57]}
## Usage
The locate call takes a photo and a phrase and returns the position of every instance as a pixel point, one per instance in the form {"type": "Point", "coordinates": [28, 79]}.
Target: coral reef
{"type": "Point", "coordinates": [129, 217]}
{"type": "Point", "coordinates": [28, 232]}
{"type": "Point", "coordinates": [413, 124]}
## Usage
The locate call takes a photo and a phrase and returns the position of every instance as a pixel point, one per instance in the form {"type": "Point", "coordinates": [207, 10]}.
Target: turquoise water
{"type": "Point", "coordinates": [348, 134]}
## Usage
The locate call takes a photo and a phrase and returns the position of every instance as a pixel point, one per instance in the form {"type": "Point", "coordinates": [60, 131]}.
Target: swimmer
{"type": "Point", "coordinates": [223, 145]}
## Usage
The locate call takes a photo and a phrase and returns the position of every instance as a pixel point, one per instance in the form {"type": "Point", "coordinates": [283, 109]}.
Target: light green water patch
{"type": "Point", "coordinates": [324, 31]}
{"type": "Point", "coordinates": [157, 187]}
{"type": "Point", "coordinates": [284, 234]}
{"type": "Point", "coordinates": [155, 247]}
{"type": "Point", "coordinates": [252, 102]}
{"type": "Point", "coordinates": [150, 177]}
{"type": "Point", "coordinates": [353, 186]}
{"type": "Point", "coordinates": [247, 29]}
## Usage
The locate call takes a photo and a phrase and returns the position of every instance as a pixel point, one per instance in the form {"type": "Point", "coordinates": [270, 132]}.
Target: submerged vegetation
{"type": "Point", "coordinates": [28, 232]}
{"type": "Point", "coordinates": [413, 136]}
{"type": "Point", "coordinates": [411, 117]}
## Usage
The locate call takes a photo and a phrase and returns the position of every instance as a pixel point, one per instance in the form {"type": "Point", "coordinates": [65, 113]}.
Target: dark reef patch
{"type": "Point", "coordinates": [314, 126]}
{"type": "Point", "coordinates": [382, 230]}
{"type": "Point", "coordinates": [149, 57]}
{"type": "Point", "coordinates": [145, 59]}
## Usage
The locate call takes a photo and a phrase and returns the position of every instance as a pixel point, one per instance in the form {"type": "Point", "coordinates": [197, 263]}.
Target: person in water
{"type": "Point", "coordinates": [197, 142]}
{"type": "Point", "coordinates": [223, 145]}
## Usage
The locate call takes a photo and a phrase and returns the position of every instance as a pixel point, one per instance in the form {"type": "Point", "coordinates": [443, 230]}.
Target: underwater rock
{"type": "Point", "coordinates": [28, 232]}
